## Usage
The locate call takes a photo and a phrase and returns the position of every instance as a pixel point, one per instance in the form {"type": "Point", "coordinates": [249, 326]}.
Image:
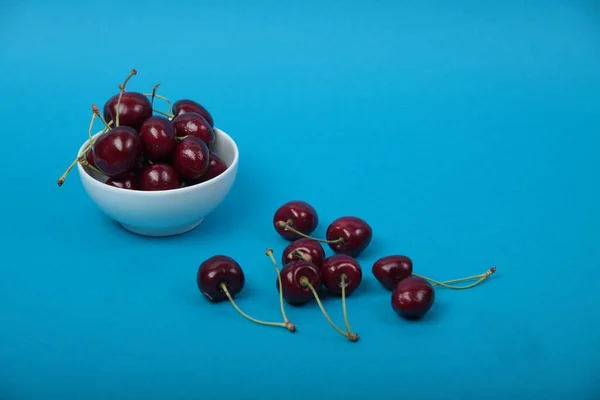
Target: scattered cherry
{"type": "Point", "coordinates": [194, 124]}
{"type": "Point", "coordinates": [116, 151]}
{"type": "Point", "coordinates": [349, 235]}
{"type": "Point", "coordinates": [189, 106]}
{"type": "Point", "coordinates": [413, 297]}
{"type": "Point", "coordinates": [294, 219]}
{"type": "Point", "coordinates": [390, 270]}
{"type": "Point", "coordinates": [159, 176]}
{"type": "Point", "coordinates": [190, 157]}
{"type": "Point", "coordinates": [216, 167]}
{"type": "Point", "coordinates": [128, 108]}
{"type": "Point", "coordinates": [220, 278]}
{"type": "Point", "coordinates": [298, 283]}
{"type": "Point", "coordinates": [128, 181]}
{"type": "Point", "coordinates": [158, 137]}
{"type": "Point", "coordinates": [304, 249]}
{"type": "Point", "coordinates": [341, 273]}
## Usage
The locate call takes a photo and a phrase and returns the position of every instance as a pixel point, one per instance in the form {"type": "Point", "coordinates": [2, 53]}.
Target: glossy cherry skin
{"type": "Point", "coordinates": [356, 232]}
{"type": "Point", "coordinates": [116, 151]}
{"type": "Point", "coordinates": [134, 109]}
{"type": "Point", "coordinates": [159, 176]}
{"type": "Point", "coordinates": [89, 157]}
{"type": "Point", "coordinates": [128, 181]}
{"type": "Point", "coordinates": [217, 270]}
{"type": "Point", "coordinates": [301, 216]}
{"type": "Point", "coordinates": [158, 137]}
{"type": "Point", "coordinates": [193, 124]}
{"type": "Point", "coordinates": [311, 249]}
{"type": "Point", "coordinates": [186, 106]}
{"type": "Point", "coordinates": [216, 167]}
{"type": "Point", "coordinates": [390, 270]}
{"type": "Point", "coordinates": [336, 266]}
{"type": "Point", "coordinates": [413, 297]}
{"type": "Point", "coordinates": [190, 158]}
{"type": "Point", "coordinates": [294, 292]}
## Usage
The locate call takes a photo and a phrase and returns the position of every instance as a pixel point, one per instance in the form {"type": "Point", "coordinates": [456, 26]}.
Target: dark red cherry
{"type": "Point", "coordinates": [159, 176]}
{"type": "Point", "coordinates": [189, 106]}
{"type": "Point", "coordinates": [190, 157]}
{"type": "Point", "coordinates": [217, 271]}
{"type": "Point", "coordinates": [194, 124]}
{"type": "Point", "coordinates": [299, 215]}
{"type": "Point", "coordinates": [116, 151]}
{"type": "Point", "coordinates": [413, 297]}
{"type": "Point", "coordinates": [295, 291]}
{"type": "Point", "coordinates": [340, 266]}
{"type": "Point", "coordinates": [89, 157]}
{"type": "Point", "coordinates": [304, 249]}
{"type": "Point", "coordinates": [134, 109]}
{"type": "Point", "coordinates": [355, 232]}
{"type": "Point", "coordinates": [390, 270]}
{"type": "Point", "coordinates": [128, 181]}
{"type": "Point", "coordinates": [216, 167]}
{"type": "Point", "coordinates": [158, 137]}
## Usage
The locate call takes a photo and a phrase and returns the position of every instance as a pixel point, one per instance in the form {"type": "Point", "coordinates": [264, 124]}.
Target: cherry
{"type": "Point", "coordinates": [298, 282]}
{"type": "Point", "coordinates": [349, 235]}
{"type": "Point", "coordinates": [216, 167]}
{"type": "Point", "coordinates": [159, 176]}
{"type": "Point", "coordinates": [128, 181]}
{"type": "Point", "coordinates": [295, 219]}
{"type": "Point", "coordinates": [390, 270]}
{"type": "Point", "coordinates": [190, 157]}
{"type": "Point", "coordinates": [220, 278]}
{"type": "Point", "coordinates": [116, 151]}
{"type": "Point", "coordinates": [89, 157]}
{"type": "Point", "coordinates": [189, 106]}
{"type": "Point", "coordinates": [128, 108]}
{"type": "Point", "coordinates": [304, 249]}
{"type": "Point", "coordinates": [413, 297]}
{"type": "Point", "coordinates": [158, 137]}
{"type": "Point", "coordinates": [342, 274]}
{"type": "Point", "coordinates": [193, 124]}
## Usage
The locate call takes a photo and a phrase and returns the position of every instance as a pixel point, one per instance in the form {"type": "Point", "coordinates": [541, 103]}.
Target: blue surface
{"type": "Point", "coordinates": [466, 134]}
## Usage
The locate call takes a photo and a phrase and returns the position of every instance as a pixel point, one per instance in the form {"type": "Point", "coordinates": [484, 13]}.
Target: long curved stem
{"type": "Point", "coordinates": [287, 225]}
{"type": "Point", "coordinates": [269, 252]}
{"type": "Point", "coordinates": [278, 324]}
{"type": "Point", "coordinates": [353, 337]}
{"type": "Point", "coordinates": [344, 305]}
{"type": "Point", "coordinates": [121, 91]}
{"type": "Point", "coordinates": [153, 95]}
{"type": "Point", "coordinates": [480, 279]}
{"type": "Point", "coordinates": [163, 113]}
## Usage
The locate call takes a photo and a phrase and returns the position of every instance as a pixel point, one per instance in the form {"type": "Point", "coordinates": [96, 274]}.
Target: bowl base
{"type": "Point", "coordinates": [162, 232]}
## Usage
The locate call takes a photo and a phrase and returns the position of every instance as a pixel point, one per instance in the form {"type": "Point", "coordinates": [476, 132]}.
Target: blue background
{"type": "Point", "coordinates": [466, 134]}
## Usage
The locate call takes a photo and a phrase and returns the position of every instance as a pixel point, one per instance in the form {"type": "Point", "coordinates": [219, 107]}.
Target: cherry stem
{"type": "Point", "coordinates": [121, 91]}
{"type": "Point", "coordinates": [353, 337]}
{"type": "Point", "coordinates": [96, 111]}
{"type": "Point", "coordinates": [480, 278]}
{"type": "Point", "coordinates": [287, 226]}
{"type": "Point", "coordinates": [302, 255]}
{"type": "Point", "coordinates": [278, 324]}
{"type": "Point", "coordinates": [163, 113]}
{"type": "Point", "coordinates": [343, 277]}
{"type": "Point", "coordinates": [80, 158]}
{"type": "Point", "coordinates": [269, 252]}
{"type": "Point", "coordinates": [85, 163]}
{"type": "Point", "coordinates": [153, 95]}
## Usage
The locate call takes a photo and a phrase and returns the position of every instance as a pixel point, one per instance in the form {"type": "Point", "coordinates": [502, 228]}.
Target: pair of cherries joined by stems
{"type": "Point", "coordinates": [307, 270]}
{"type": "Point", "coordinates": [142, 148]}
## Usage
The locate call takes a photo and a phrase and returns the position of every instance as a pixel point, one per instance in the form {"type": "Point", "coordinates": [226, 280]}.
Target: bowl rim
{"type": "Point", "coordinates": [101, 185]}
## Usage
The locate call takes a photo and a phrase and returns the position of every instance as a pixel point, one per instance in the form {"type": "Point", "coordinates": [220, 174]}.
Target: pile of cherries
{"type": "Point", "coordinates": [308, 271]}
{"type": "Point", "coordinates": [142, 148]}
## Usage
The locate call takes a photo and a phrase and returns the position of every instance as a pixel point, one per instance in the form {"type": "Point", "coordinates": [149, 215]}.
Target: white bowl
{"type": "Point", "coordinates": [165, 212]}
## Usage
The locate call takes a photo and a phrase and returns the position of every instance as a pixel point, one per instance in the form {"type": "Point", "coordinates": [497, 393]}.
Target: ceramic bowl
{"type": "Point", "coordinates": [165, 212]}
